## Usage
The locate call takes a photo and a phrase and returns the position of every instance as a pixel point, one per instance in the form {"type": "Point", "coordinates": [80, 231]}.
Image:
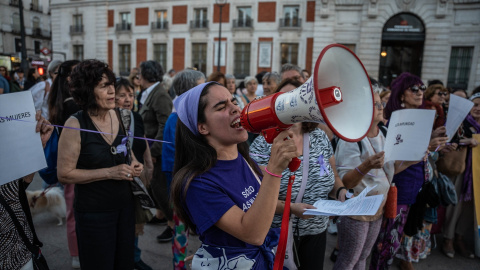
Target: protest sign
{"type": "Point", "coordinates": [409, 132]}
{"type": "Point", "coordinates": [22, 151]}
{"type": "Point", "coordinates": [458, 109]}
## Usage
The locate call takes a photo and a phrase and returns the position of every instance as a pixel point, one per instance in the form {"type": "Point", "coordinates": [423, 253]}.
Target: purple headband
{"type": "Point", "coordinates": [187, 106]}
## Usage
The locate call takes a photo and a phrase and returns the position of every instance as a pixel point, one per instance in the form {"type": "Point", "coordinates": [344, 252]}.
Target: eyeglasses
{"type": "Point", "coordinates": [417, 88]}
{"type": "Point", "coordinates": [442, 94]}
{"type": "Point", "coordinates": [380, 105]}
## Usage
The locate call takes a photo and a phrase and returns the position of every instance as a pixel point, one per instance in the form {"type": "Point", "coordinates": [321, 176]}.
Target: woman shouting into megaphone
{"type": "Point", "coordinates": [218, 190]}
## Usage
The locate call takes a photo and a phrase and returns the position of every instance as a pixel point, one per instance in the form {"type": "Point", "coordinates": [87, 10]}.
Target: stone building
{"type": "Point", "coordinates": [36, 14]}
{"type": "Point", "coordinates": [435, 39]}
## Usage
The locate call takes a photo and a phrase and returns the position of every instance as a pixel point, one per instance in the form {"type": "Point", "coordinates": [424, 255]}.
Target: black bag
{"type": "Point", "coordinates": [444, 187]}
{"type": "Point", "coordinates": [426, 197]}
{"type": "Point", "coordinates": [39, 262]}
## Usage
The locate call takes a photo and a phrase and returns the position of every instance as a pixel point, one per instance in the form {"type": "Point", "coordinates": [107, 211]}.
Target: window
{"type": "Point", "coordinates": [125, 21]}
{"type": "Point", "coordinates": [16, 23]}
{"type": "Point", "coordinates": [290, 14]}
{"type": "Point", "coordinates": [124, 59]}
{"type": "Point", "coordinates": [289, 53]}
{"type": "Point", "coordinates": [36, 31]}
{"type": "Point", "coordinates": [244, 17]}
{"type": "Point", "coordinates": [161, 19]}
{"type": "Point", "coordinates": [36, 46]}
{"type": "Point", "coordinates": [77, 26]}
{"type": "Point", "coordinates": [242, 60]}
{"type": "Point", "coordinates": [160, 54]}
{"type": "Point", "coordinates": [200, 15]}
{"type": "Point", "coordinates": [199, 56]}
{"type": "Point", "coordinates": [78, 52]}
{"type": "Point", "coordinates": [459, 69]}
{"type": "Point", "coordinates": [18, 45]}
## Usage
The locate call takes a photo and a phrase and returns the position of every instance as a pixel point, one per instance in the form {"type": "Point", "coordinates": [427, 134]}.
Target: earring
{"type": "Point", "coordinates": [402, 105]}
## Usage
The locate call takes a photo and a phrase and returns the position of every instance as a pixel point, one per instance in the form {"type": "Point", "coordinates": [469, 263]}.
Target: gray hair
{"type": "Point", "coordinates": [229, 77]}
{"type": "Point", "coordinates": [186, 80]}
{"type": "Point", "coordinates": [151, 71]}
{"type": "Point", "coordinates": [53, 66]}
{"type": "Point", "coordinates": [288, 67]}
{"type": "Point", "coordinates": [272, 76]}
{"type": "Point", "coordinates": [249, 79]}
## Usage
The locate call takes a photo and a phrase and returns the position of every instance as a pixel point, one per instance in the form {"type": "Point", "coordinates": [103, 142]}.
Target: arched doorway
{"type": "Point", "coordinates": [402, 47]}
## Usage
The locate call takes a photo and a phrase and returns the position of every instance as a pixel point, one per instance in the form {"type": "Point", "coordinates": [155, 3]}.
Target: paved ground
{"type": "Point", "coordinates": [159, 255]}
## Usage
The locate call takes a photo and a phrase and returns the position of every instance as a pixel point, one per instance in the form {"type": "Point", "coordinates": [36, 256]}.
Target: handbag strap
{"type": "Point", "coordinates": [131, 128]}
{"type": "Point", "coordinates": [120, 117]}
{"type": "Point", "coordinates": [33, 248]}
{"type": "Point", "coordinates": [306, 162]}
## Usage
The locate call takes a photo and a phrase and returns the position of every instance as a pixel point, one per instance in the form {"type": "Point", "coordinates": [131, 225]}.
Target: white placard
{"type": "Point", "coordinates": [22, 151]}
{"type": "Point", "coordinates": [357, 206]}
{"type": "Point", "coordinates": [458, 109]}
{"type": "Point", "coordinates": [409, 132]}
{"type": "Point", "coordinates": [265, 54]}
{"type": "Point", "coordinates": [222, 53]}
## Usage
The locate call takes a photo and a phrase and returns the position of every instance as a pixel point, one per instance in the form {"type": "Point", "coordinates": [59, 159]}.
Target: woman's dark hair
{"type": "Point", "coordinates": [194, 156]}
{"type": "Point", "coordinates": [122, 82]}
{"type": "Point", "coordinates": [216, 76]}
{"type": "Point", "coordinates": [459, 90]}
{"type": "Point", "coordinates": [59, 91]}
{"type": "Point", "coordinates": [83, 80]}
{"type": "Point", "coordinates": [399, 85]}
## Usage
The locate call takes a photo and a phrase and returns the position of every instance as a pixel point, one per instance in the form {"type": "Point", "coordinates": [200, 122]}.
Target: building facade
{"type": "Point", "coordinates": [36, 17]}
{"type": "Point", "coordinates": [435, 39]}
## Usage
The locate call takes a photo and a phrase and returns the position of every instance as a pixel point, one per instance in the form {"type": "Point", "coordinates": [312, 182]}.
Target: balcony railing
{"type": "Point", "coordinates": [291, 23]}
{"type": "Point", "coordinates": [199, 24]}
{"type": "Point", "coordinates": [14, 3]}
{"type": "Point", "coordinates": [76, 29]}
{"type": "Point", "coordinates": [122, 27]}
{"type": "Point", "coordinates": [36, 8]}
{"type": "Point", "coordinates": [37, 32]}
{"type": "Point", "coordinates": [243, 23]}
{"type": "Point", "coordinates": [16, 29]}
{"type": "Point", "coordinates": [159, 25]}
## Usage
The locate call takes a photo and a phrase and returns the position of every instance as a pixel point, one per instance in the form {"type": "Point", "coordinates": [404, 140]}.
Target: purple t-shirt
{"type": "Point", "coordinates": [212, 194]}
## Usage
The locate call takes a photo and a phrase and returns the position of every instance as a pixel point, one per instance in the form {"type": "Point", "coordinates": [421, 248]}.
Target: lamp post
{"type": "Point", "coordinates": [221, 4]}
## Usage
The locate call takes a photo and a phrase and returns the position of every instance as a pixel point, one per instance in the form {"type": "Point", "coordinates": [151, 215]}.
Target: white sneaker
{"type": "Point", "coordinates": [332, 227]}
{"type": "Point", "coordinates": [75, 262]}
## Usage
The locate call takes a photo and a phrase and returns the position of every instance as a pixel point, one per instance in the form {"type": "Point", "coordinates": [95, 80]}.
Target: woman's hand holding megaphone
{"type": "Point", "coordinates": [283, 151]}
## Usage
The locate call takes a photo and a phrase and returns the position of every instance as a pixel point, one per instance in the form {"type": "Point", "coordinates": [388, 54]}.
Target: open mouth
{"type": "Point", "coordinates": [236, 123]}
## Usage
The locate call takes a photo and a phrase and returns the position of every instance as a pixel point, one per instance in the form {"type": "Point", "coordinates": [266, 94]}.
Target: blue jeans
{"type": "Point", "coordinates": [137, 252]}
{"type": "Point", "coordinates": [106, 239]}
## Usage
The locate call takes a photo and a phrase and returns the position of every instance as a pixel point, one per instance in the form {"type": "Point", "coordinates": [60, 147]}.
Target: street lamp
{"type": "Point", "coordinates": [221, 4]}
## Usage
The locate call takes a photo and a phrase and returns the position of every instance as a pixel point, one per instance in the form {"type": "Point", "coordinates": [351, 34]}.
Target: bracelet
{"type": "Point", "coordinates": [272, 174]}
{"type": "Point", "coordinates": [358, 170]}
{"type": "Point", "coordinates": [340, 189]}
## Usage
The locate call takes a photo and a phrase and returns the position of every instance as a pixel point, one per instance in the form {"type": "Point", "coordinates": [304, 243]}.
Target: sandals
{"type": "Point", "coordinates": [447, 248]}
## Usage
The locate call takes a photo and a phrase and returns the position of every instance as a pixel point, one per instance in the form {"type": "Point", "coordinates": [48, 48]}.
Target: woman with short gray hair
{"type": "Point", "coordinates": [270, 81]}
{"type": "Point", "coordinates": [251, 84]}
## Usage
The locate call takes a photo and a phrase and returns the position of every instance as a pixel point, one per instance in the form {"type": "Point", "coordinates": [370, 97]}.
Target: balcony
{"type": "Point", "coordinates": [36, 8]}
{"type": "Point", "coordinates": [159, 26]}
{"type": "Point", "coordinates": [124, 27]}
{"type": "Point", "coordinates": [242, 23]}
{"type": "Point", "coordinates": [199, 24]}
{"type": "Point", "coordinates": [76, 29]}
{"type": "Point", "coordinates": [16, 30]}
{"type": "Point", "coordinates": [14, 3]}
{"type": "Point", "coordinates": [293, 24]}
{"type": "Point", "coordinates": [36, 32]}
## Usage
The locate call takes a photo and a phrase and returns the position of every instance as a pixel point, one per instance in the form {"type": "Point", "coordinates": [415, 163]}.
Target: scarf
{"type": "Point", "coordinates": [467, 189]}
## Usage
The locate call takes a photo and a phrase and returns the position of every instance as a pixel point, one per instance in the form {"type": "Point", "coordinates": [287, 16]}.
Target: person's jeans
{"type": "Point", "coordinates": [137, 252]}
{"type": "Point", "coordinates": [106, 239]}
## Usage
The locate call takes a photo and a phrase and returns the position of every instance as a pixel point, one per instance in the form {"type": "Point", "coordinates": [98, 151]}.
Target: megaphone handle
{"type": "Point", "coordinates": [282, 243]}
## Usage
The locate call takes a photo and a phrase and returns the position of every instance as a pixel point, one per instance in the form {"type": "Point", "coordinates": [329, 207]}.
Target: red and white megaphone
{"type": "Point", "coordinates": [339, 93]}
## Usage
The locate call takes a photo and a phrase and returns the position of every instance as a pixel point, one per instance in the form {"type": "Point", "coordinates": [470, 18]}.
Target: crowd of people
{"type": "Point", "coordinates": [208, 176]}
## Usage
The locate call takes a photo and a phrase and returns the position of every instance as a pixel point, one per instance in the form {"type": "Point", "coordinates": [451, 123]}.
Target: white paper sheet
{"type": "Point", "coordinates": [22, 151]}
{"type": "Point", "coordinates": [458, 109]}
{"type": "Point", "coordinates": [357, 206]}
{"type": "Point", "coordinates": [408, 136]}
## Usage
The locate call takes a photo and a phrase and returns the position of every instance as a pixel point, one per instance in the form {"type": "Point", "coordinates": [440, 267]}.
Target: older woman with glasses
{"type": "Point", "coordinates": [270, 82]}
{"type": "Point", "coordinates": [407, 93]}
{"type": "Point", "coordinates": [435, 99]}
{"type": "Point", "coordinates": [231, 86]}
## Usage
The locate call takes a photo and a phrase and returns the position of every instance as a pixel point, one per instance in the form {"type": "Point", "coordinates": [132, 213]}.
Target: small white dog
{"type": "Point", "coordinates": [51, 201]}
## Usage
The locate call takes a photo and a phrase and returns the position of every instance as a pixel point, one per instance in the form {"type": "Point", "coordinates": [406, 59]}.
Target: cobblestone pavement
{"type": "Point", "coordinates": [159, 255]}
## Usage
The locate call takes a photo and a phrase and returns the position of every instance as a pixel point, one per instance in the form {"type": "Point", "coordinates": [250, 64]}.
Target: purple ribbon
{"type": "Point", "coordinates": [88, 130]}
{"type": "Point", "coordinates": [122, 148]}
{"type": "Point", "coordinates": [323, 166]}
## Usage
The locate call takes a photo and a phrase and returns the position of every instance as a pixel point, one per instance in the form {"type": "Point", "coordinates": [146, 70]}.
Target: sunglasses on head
{"type": "Point", "coordinates": [417, 88]}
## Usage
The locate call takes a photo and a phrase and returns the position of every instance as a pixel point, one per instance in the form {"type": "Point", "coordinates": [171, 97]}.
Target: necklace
{"type": "Point", "coordinates": [113, 150]}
